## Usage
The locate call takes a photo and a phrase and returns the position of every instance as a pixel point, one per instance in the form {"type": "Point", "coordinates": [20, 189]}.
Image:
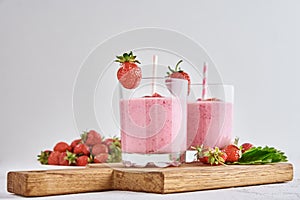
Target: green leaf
{"type": "Point", "coordinates": [259, 155]}
{"type": "Point", "coordinates": [127, 57]}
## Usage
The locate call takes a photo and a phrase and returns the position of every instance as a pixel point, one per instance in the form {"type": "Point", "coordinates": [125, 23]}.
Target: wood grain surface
{"type": "Point", "coordinates": [195, 177]}
{"type": "Point", "coordinates": [54, 182]}
{"type": "Point", "coordinates": [188, 177]}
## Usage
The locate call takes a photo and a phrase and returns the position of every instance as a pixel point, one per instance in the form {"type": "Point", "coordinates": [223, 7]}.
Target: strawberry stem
{"type": "Point", "coordinates": [171, 69]}
{"type": "Point", "coordinates": [236, 141]}
{"type": "Point", "coordinates": [177, 68]}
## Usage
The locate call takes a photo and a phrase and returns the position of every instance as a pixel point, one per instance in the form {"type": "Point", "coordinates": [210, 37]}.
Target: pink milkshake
{"type": "Point", "coordinates": [209, 123]}
{"type": "Point", "coordinates": [150, 124]}
{"type": "Point", "coordinates": [153, 122]}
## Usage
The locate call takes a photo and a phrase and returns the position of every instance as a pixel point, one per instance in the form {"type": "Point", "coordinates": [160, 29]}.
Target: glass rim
{"type": "Point", "coordinates": [213, 84]}
{"type": "Point", "coordinates": [161, 78]}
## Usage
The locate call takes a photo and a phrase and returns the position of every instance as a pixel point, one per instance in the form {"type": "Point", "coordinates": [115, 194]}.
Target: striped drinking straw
{"type": "Point", "coordinates": [204, 81]}
{"type": "Point", "coordinates": [154, 68]}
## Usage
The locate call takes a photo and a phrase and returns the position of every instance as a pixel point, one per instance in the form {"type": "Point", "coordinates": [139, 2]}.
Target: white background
{"type": "Point", "coordinates": [255, 45]}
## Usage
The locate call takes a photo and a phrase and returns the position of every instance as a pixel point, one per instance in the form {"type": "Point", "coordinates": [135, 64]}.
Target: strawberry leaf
{"type": "Point", "coordinates": [262, 155]}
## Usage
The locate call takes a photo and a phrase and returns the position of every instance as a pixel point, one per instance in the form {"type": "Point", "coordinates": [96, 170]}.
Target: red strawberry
{"type": "Point", "coordinates": [75, 142]}
{"type": "Point", "coordinates": [83, 160]}
{"type": "Point", "coordinates": [179, 73]}
{"type": "Point", "coordinates": [246, 147]}
{"type": "Point", "coordinates": [224, 156]}
{"type": "Point", "coordinates": [233, 153]}
{"type": "Point", "coordinates": [81, 149]}
{"type": "Point", "coordinates": [67, 158]}
{"type": "Point", "coordinates": [204, 159]}
{"type": "Point", "coordinates": [211, 156]}
{"type": "Point", "coordinates": [62, 147]}
{"type": "Point", "coordinates": [43, 157]}
{"type": "Point", "coordinates": [99, 148]}
{"type": "Point", "coordinates": [62, 159]}
{"type": "Point", "coordinates": [114, 149]}
{"type": "Point", "coordinates": [211, 159]}
{"type": "Point", "coordinates": [101, 158]}
{"type": "Point", "coordinates": [129, 74]}
{"type": "Point", "coordinates": [91, 138]}
{"type": "Point", "coordinates": [108, 141]}
{"type": "Point", "coordinates": [115, 140]}
{"type": "Point", "coordinates": [53, 158]}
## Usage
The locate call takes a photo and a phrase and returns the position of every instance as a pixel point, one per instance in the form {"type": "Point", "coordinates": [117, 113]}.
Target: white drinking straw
{"type": "Point", "coordinates": [204, 81]}
{"type": "Point", "coordinates": [154, 67]}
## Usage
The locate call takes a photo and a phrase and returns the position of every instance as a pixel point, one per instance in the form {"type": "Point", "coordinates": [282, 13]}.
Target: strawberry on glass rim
{"type": "Point", "coordinates": [179, 73]}
{"type": "Point", "coordinates": [129, 74]}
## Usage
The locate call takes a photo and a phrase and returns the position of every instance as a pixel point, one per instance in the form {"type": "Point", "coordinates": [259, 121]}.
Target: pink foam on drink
{"type": "Point", "coordinates": [149, 125]}
{"type": "Point", "coordinates": [209, 123]}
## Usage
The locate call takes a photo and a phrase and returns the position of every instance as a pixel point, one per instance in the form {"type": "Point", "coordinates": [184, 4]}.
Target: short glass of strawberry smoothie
{"type": "Point", "coordinates": [153, 122]}
{"type": "Point", "coordinates": [209, 120]}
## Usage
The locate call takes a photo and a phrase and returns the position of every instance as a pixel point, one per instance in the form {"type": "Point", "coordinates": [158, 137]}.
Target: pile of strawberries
{"type": "Point", "coordinates": [230, 154]}
{"type": "Point", "coordinates": [90, 148]}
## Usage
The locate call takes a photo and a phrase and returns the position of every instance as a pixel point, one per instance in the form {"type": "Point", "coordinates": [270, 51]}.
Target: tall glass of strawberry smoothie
{"type": "Point", "coordinates": [210, 120]}
{"type": "Point", "coordinates": [153, 122]}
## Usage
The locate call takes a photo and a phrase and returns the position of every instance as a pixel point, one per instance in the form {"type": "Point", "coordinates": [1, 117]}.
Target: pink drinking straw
{"type": "Point", "coordinates": [154, 67]}
{"type": "Point", "coordinates": [204, 81]}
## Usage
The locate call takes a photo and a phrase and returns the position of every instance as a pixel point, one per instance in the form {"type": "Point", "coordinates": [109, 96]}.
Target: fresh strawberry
{"type": "Point", "coordinates": [224, 156]}
{"type": "Point", "coordinates": [83, 160]}
{"type": "Point", "coordinates": [109, 141]}
{"type": "Point", "coordinates": [53, 158]}
{"type": "Point", "coordinates": [101, 158]}
{"type": "Point", "coordinates": [114, 149]}
{"type": "Point", "coordinates": [129, 74]}
{"type": "Point", "coordinates": [91, 138]}
{"type": "Point", "coordinates": [75, 142]}
{"type": "Point", "coordinates": [211, 156]}
{"type": "Point", "coordinates": [62, 159]}
{"type": "Point", "coordinates": [233, 152]}
{"type": "Point", "coordinates": [67, 158]}
{"type": "Point", "coordinates": [99, 148]}
{"type": "Point", "coordinates": [43, 157]}
{"type": "Point", "coordinates": [204, 159]}
{"type": "Point", "coordinates": [200, 151]}
{"type": "Point", "coordinates": [81, 149]}
{"type": "Point", "coordinates": [62, 147]}
{"type": "Point", "coordinates": [246, 147]}
{"type": "Point", "coordinates": [115, 140]}
{"type": "Point", "coordinates": [179, 73]}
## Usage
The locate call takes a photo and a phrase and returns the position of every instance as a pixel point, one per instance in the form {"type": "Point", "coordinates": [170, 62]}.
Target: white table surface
{"type": "Point", "coordinates": [289, 190]}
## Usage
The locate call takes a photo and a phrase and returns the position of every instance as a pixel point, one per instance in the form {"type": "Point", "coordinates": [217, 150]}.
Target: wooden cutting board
{"type": "Point", "coordinates": [188, 177]}
{"type": "Point", "coordinates": [63, 181]}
